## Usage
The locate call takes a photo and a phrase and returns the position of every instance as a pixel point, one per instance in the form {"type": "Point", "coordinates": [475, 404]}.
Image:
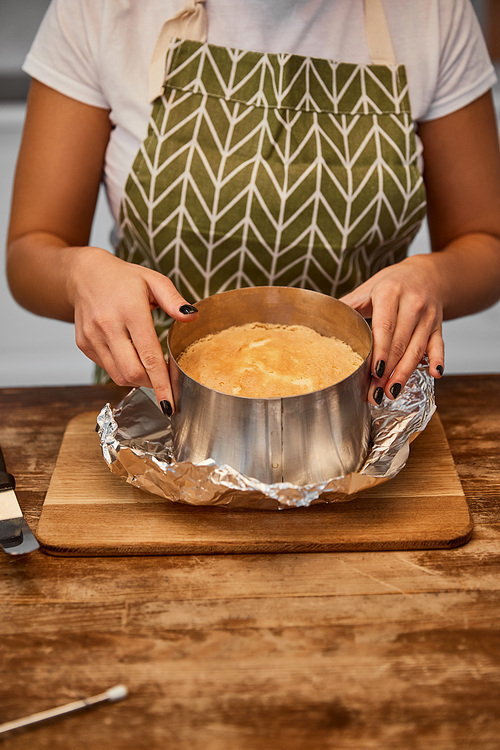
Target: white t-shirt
{"type": "Point", "coordinates": [98, 52]}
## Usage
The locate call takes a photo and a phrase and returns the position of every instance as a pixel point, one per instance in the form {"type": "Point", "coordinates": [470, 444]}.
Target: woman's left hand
{"type": "Point", "coordinates": [405, 303]}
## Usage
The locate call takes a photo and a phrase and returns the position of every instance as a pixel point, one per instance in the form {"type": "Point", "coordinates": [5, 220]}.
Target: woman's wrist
{"type": "Point", "coordinates": [466, 273]}
{"type": "Point", "coordinates": [78, 262]}
{"type": "Point", "coordinates": [429, 274]}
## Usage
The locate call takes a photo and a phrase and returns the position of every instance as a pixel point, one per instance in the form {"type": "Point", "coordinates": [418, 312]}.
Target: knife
{"type": "Point", "coordinates": [16, 537]}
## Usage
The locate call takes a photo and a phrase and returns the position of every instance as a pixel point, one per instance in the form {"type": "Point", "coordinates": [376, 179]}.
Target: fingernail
{"type": "Point", "coordinates": [378, 395]}
{"type": "Point", "coordinates": [166, 407]}
{"type": "Point", "coordinates": [187, 309]}
{"type": "Point", "coordinates": [395, 390]}
{"type": "Point", "coordinates": [440, 369]}
{"type": "Point", "coordinates": [379, 368]}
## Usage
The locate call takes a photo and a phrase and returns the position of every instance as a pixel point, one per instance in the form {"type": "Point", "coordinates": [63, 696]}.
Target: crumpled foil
{"type": "Point", "coordinates": [136, 443]}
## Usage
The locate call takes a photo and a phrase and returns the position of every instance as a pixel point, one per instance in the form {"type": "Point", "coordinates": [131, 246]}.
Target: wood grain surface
{"type": "Point", "coordinates": [359, 650]}
{"type": "Point", "coordinates": [90, 511]}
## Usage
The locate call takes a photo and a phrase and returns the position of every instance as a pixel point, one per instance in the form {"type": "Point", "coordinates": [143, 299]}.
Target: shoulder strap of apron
{"type": "Point", "coordinates": [377, 34]}
{"type": "Point", "coordinates": [189, 23]}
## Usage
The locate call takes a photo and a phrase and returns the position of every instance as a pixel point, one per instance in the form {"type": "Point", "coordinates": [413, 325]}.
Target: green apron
{"type": "Point", "coordinates": [273, 169]}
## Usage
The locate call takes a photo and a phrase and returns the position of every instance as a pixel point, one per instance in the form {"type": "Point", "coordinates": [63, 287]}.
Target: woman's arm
{"type": "Point", "coordinates": [408, 301]}
{"type": "Point", "coordinates": [54, 196]}
{"type": "Point", "coordinates": [51, 269]}
{"type": "Point", "coordinates": [462, 177]}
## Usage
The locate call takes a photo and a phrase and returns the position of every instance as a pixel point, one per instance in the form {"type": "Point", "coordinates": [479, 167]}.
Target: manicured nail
{"type": "Point", "coordinates": [379, 368]}
{"type": "Point", "coordinates": [166, 407]}
{"type": "Point", "coordinates": [395, 390]}
{"type": "Point", "coordinates": [440, 369]}
{"type": "Point", "coordinates": [187, 309]}
{"type": "Point", "coordinates": [378, 395]}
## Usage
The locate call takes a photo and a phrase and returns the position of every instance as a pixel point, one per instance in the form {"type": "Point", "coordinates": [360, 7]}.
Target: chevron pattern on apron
{"type": "Point", "coordinates": [273, 169]}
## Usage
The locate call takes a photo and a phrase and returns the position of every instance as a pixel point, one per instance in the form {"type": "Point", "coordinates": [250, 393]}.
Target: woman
{"type": "Point", "coordinates": [273, 166]}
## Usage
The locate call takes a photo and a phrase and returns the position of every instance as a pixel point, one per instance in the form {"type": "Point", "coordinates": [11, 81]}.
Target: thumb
{"type": "Point", "coordinates": [165, 295]}
{"type": "Point", "coordinates": [360, 299]}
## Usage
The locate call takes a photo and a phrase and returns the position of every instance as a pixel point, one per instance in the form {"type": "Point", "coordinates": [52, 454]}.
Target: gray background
{"type": "Point", "coordinates": [39, 351]}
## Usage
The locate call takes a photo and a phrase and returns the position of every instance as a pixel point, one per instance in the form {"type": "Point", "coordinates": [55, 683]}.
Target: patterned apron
{"type": "Point", "coordinates": [273, 169]}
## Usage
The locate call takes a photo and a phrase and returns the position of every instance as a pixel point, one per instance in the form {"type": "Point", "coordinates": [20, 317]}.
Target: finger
{"type": "Point", "coordinates": [435, 354]}
{"type": "Point", "coordinates": [141, 364]}
{"type": "Point", "coordinates": [419, 344]}
{"type": "Point", "coordinates": [376, 392]}
{"type": "Point", "coordinates": [121, 362]}
{"type": "Point", "coordinates": [360, 300]}
{"type": "Point", "coordinates": [128, 347]}
{"type": "Point", "coordinates": [165, 295]}
{"type": "Point", "coordinates": [89, 340]}
{"type": "Point", "coordinates": [413, 326]}
{"type": "Point", "coordinates": [385, 319]}
{"type": "Point", "coordinates": [95, 358]}
{"type": "Point", "coordinates": [151, 359]}
{"type": "Point", "coordinates": [108, 344]}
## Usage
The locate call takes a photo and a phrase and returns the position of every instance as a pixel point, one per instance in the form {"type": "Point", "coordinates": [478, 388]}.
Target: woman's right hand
{"type": "Point", "coordinates": [113, 302]}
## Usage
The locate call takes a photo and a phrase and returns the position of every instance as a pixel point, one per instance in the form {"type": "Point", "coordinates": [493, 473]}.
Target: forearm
{"type": "Point", "coordinates": [468, 273]}
{"type": "Point", "coordinates": [462, 177]}
{"type": "Point", "coordinates": [40, 267]}
{"type": "Point", "coordinates": [54, 195]}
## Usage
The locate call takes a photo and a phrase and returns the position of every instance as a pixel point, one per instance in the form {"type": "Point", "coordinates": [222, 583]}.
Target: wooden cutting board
{"type": "Point", "coordinates": [89, 511]}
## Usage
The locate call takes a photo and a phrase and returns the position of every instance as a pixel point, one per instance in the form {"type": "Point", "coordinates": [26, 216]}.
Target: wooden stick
{"type": "Point", "coordinates": [116, 693]}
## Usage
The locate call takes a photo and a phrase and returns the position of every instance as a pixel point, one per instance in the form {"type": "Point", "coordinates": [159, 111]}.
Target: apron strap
{"type": "Point", "coordinates": [189, 23]}
{"type": "Point", "coordinates": [377, 34]}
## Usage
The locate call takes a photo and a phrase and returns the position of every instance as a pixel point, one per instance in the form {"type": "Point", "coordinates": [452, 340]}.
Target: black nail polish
{"type": "Point", "coordinates": [187, 309]}
{"type": "Point", "coordinates": [166, 407]}
{"type": "Point", "coordinates": [378, 395]}
{"type": "Point", "coordinates": [395, 389]}
{"type": "Point", "coordinates": [440, 369]}
{"type": "Point", "coordinates": [379, 368]}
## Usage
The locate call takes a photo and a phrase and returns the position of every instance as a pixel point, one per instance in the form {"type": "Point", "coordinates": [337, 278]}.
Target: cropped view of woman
{"type": "Point", "coordinates": [243, 143]}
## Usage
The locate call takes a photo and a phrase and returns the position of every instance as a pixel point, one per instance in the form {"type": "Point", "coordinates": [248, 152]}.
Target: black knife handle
{"type": "Point", "coordinates": [7, 481]}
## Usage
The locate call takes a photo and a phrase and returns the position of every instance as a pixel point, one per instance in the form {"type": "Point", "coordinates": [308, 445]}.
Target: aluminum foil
{"type": "Point", "coordinates": [136, 443]}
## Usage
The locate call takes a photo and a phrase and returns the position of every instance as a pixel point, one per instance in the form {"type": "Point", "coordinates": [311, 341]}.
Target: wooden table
{"type": "Point", "coordinates": [358, 650]}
